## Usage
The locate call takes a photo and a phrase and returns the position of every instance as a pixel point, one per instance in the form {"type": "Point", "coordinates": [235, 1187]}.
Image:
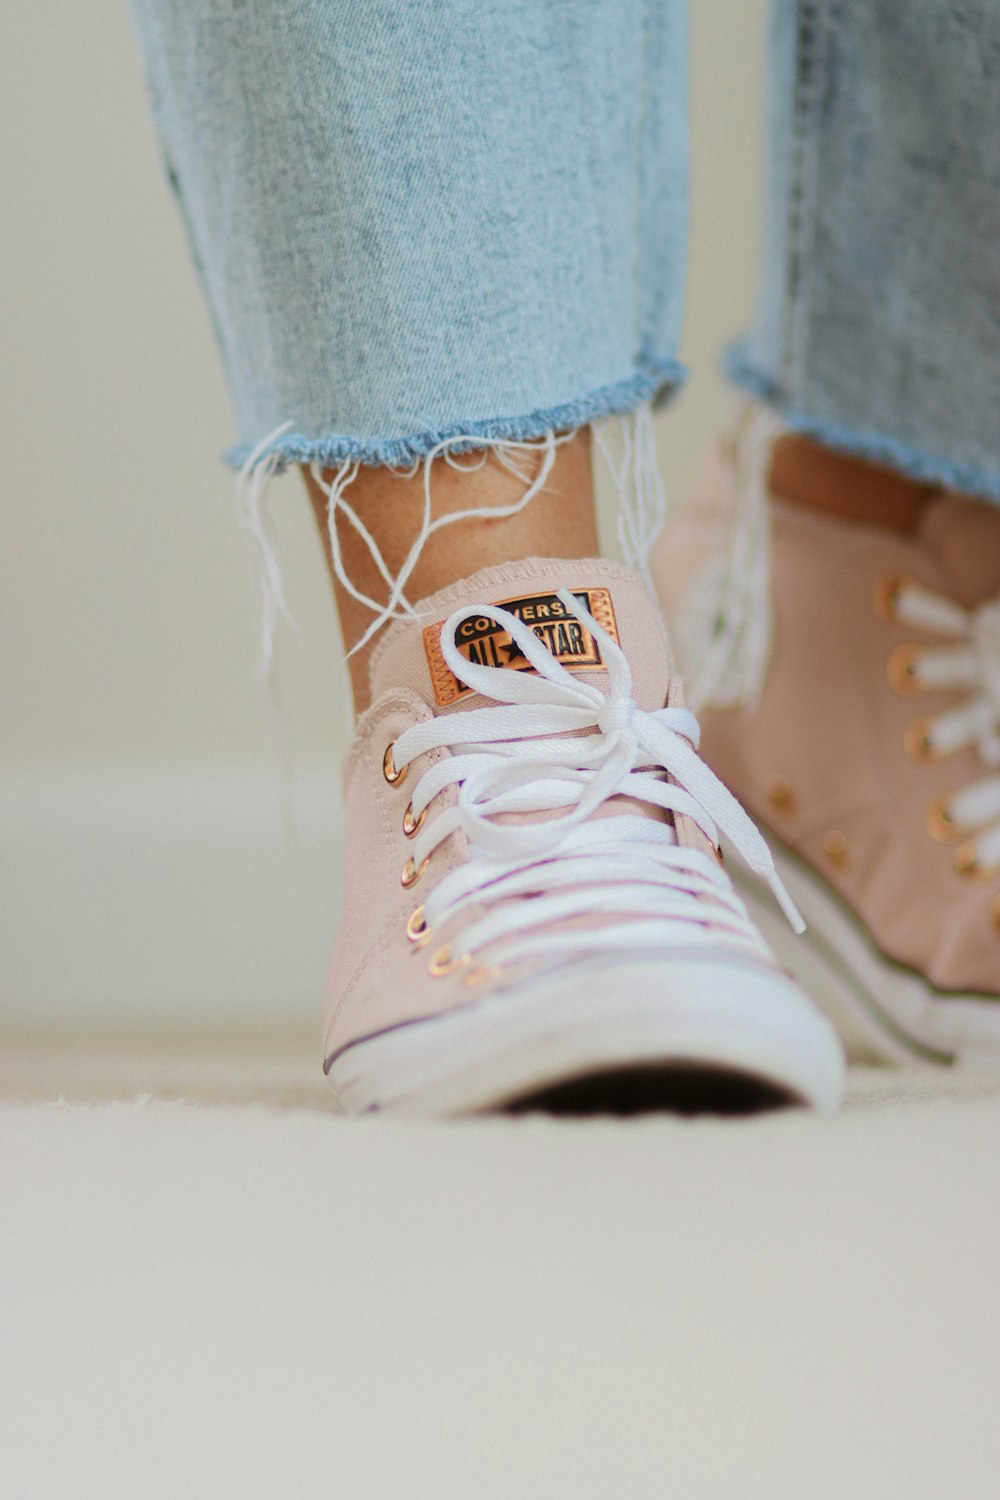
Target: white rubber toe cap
{"type": "Point", "coordinates": [721, 1014]}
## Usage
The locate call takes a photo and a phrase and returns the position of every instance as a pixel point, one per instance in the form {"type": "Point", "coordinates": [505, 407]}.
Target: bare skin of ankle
{"type": "Point", "coordinates": [559, 522]}
{"type": "Point", "coordinates": [805, 473]}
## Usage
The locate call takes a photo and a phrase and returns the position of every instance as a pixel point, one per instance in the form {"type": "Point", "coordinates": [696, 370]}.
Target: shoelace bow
{"type": "Point", "coordinates": [532, 754]}
{"type": "Point", "coordinates": [972, 664]}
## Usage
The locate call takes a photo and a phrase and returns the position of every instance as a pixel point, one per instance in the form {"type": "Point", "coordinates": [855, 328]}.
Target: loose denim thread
{"type": "Point", "coordinates": [252, 484]}
{"type": "Point", "coordinates": [398, 606]}
{"type": "Point", "coordinates": [634, 472]}
{"type": "Point", "coordinates": [260, 467]}
{"type": "Point", "coordinates": [729, 626]}
{"type": "Point", "coordinates": [655, 381]}
{"type": "Point", "coordinates": [638, 485]}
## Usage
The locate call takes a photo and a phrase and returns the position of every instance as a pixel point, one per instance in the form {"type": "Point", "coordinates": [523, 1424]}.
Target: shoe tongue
{"type": "Point", "coordinates": [409, 654]}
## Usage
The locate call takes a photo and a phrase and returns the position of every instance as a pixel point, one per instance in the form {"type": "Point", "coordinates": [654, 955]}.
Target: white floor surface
{"type": "Point", "coordinates": [213, 1286]}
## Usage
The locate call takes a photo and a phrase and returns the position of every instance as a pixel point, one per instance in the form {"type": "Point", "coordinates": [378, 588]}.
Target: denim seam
{"type": "Point", "coordinates": [877, 447]}
{"type": "Point", "coordinates": [653, 379]}
{"type": "Point", "coordinates": [638, 311]}
{"type": "Point", "coordinates": [802, 179]}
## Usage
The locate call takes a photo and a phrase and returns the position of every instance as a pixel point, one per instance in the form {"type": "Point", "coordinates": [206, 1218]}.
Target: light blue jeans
{"type": "Point", "coordinates": [417, 220]}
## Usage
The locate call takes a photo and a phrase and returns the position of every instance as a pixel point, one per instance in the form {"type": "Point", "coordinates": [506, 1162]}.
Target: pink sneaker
{"type": "Point", "coordinates": [535, 910]}
{"type": "Point", "coordinates": [871, 755]}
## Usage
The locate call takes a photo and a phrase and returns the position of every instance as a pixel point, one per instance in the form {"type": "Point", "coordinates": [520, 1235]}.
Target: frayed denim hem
{"type": "Point", "coordinates": [655, 380]}
{"type": "Point", "coordinates": [877, 447]}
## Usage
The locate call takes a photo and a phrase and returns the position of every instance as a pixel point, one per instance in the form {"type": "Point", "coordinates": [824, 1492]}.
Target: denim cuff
{"type": "Point", "coordinates": [877, 447]}
{"type": "Point", "coordinates": [653, 380]}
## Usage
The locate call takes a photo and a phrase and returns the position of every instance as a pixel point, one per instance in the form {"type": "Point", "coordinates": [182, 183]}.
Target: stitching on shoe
{"type": "Point", "coordinates": [374, 716]}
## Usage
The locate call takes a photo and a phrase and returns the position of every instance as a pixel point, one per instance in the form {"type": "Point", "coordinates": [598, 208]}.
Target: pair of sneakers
{"type": "Point", "coordinates": [537, 912]}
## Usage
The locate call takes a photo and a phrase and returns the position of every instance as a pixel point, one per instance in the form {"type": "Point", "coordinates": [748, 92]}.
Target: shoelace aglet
{"type": "Point", "coordinates": [780, 892]}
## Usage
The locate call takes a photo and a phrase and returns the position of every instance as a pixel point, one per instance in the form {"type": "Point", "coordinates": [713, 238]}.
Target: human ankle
{"type": "Point", "coordinates": [805, 473]}
{"type": "Point", "coordinates": [558, 521]}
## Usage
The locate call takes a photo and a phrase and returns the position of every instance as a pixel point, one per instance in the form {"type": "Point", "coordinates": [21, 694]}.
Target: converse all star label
{"type": "Point", "coordinates": [484, 642]}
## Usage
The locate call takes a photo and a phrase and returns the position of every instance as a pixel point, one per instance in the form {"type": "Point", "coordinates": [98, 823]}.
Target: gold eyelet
{"type": "Point", "coordinates": [919, 745]}
{"type": "Point", "coordinates": [780, 793]}
{"type": "Point", "coordinates": [443, 961]}
{"type": "Point", "coordinates": [836, 847]}
{"type": "Point", "coordinates": [887, 592]}
{"type": "Point", "coordinates": [967, 863]}
{"type": "Point", "coordinates": [939, 822]}
{"type": "Point", "coordinates": [389, 770]}
{"type": "Point", "coordinates": [412, 873]}
{"type": "Point", "coordinates": [901, 670]}
{"type": "Point", "coordinates": [412, 825]}
{"type": "Point", "coordinates": [417, 929]}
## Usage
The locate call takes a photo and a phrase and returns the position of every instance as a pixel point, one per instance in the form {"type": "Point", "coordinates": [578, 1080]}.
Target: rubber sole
{"type": "Point", "coordinates": [883, 1011]}
{"type": "Point", "coordinates": [636, 1036]}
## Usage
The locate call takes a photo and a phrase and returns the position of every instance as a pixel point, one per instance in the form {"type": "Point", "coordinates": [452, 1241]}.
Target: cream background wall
{"type": "Point", "coordinates": [145, 871]}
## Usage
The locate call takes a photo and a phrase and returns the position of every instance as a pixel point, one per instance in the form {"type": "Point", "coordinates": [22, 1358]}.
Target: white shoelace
{"type": "Point", "coordinates": [973, 664]}
{"type": "Point", "coordinates": [599, 885]}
